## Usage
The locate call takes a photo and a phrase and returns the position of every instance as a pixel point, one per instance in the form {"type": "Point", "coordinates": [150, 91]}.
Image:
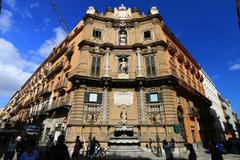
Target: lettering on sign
{"type": "Point", "coordinates": [123, 98]}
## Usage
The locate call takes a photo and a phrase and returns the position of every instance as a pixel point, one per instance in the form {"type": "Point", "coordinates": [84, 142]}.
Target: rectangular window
{"type": "Point", "coordinates": [91, 97]}
{"type": "Point", "coordinates": [150, 65]}
{"type": "Point", "coordinates": [154, 97]}
{"type": "Point", "coordinates": [95, 69]}
{"type": "Point", "coordinates": [97, 33]}
{"type": "Point", "coordinates": [147, 35]}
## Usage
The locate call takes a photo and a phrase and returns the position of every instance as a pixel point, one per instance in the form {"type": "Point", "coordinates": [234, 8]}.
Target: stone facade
{"type": "Point", "coordinates": [216, 110]}
{"type": "Point", "coordinates": [118, 69]}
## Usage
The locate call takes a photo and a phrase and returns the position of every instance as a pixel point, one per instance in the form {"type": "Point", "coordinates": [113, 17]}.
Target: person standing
{"type": "Point", "coordinates": [60, 150]}
{"type": "Point", "coordinates": [78, 145]}
{"type": "Point", "coordinates": [168, 148]}
{"type": "Point", "coordinates": [192, 155]}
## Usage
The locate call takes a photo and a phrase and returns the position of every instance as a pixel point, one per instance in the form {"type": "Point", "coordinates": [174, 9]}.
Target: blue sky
{"type": "Point", "coordinates": [29, 29]}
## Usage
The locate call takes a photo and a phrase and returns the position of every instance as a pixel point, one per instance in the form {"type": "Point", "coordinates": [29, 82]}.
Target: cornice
{"type": "Point", "coordinates": [112, 46]}
{"type": "Point", "coordinates": [107, 19]}
{"type": "Point", "coordinates": [178, 44]}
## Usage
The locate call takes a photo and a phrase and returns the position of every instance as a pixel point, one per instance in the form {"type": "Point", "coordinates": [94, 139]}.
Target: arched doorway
{"type": "Point", "coordinates": [181, 122]}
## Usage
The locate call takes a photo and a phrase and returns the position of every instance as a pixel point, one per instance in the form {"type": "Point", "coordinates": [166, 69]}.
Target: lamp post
{"type": "Point", "coordinates": [153, 117]}
{"type": "Point", "coordinates": [91, 114]}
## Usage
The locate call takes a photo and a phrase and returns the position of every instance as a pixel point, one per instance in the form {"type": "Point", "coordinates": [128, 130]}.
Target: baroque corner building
{"type": "Point", "coordinates": [118, 73]}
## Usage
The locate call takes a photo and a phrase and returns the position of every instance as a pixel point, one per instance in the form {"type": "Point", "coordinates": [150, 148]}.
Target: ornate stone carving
{"type": "Point", "coordinates": [122, 13]}
{"type": "Point", "coordinates": [154, 10]}
{"type": "Point", "coordinates": [91, 10]}
{"type": "Point", "coordinates": [123, 115]}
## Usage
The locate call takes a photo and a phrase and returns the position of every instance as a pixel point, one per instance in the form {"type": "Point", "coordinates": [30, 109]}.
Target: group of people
{"type": "Point", "coordinates": [170, 146]}
{"type": "Point", "coordinates": [59, 151]}
{"type": "Point", "coordinates": [23, 146]}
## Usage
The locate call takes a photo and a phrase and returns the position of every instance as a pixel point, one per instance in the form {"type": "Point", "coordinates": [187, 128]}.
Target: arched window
{"type": "Point", "coordinates": [122, 37]}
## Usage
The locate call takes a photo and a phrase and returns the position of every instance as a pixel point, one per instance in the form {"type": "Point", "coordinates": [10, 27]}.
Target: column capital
{"type": "Point", "coordinates": [138, 50]}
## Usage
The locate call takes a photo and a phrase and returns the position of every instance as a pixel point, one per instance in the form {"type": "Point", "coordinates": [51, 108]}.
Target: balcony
{"type": "Point", "coordinates": [58, 67]}
{"type": "Point", "coordinates": [82, 72]}
{"type": "Point", "coordinates": [46, 92]}
{"type": "Point", "coordinates": [227, 117]}
{"type": "Point", "coordinates": [60, 103]}
{"type": "Point", "coordinates": [194, 112]}
{"type": "Point", "coordinates": [61, 86]}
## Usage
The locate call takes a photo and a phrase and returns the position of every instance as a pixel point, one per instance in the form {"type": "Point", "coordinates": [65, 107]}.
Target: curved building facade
{"type": "Point", "coordinates": [121, 77]}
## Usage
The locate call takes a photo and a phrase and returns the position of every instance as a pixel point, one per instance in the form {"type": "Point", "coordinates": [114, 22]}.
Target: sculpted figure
{"type": "Point", "coordinates": [123, 115]}
{"type": "Point", "coordinates": [123, 66]}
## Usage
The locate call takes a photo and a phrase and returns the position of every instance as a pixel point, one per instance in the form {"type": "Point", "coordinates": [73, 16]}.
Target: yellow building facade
{"type": "Point", "coordinates": [121, 77]}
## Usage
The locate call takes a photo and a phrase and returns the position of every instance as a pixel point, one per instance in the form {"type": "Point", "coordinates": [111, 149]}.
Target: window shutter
{"type": "Point", "coordinates": [86, 97]}
{"type": "Point", "coordinates": [97, 66]}
{"type": "Point", "coordinates": [147, 98]}
{"type": "Point", "coordinates": [93, 65]}
{"type": "Point", "coordinates": [153, 69]}
{"type": "Point", "coordinates": [160, 97]}
{"type": "Point", "coordinates": [99, 98]}
{"type": "Point", "coordinates": [148, 65]}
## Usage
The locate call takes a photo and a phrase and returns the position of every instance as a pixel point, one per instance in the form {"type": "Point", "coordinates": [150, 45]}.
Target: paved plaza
{"type": "Point", "coordinates": [202, 155]}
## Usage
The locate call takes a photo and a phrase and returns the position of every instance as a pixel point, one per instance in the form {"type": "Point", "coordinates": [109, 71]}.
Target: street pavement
{"type": "Point", "coordinates": [201, 155]}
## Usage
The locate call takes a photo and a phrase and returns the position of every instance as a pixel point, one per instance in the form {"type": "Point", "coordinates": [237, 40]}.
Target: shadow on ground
{"type": "Point", "coordinates": [121, 157]}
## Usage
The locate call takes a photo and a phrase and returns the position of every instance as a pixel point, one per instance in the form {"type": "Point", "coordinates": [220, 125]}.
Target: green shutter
{"type": "Point", "coordinates": [99, 98]}
{"type": "Point", "coordinates": [86, 97]}
{"type": "Point", "coordinates": [147, 98]}
{"type": "Point", "coordinates": [160, 97]}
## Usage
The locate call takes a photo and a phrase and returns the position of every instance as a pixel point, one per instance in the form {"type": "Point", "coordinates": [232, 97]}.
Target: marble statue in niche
{"type": "Point", "coordinates": [123, 64]}
{"type": "Point", "coordinates": [122, 37]}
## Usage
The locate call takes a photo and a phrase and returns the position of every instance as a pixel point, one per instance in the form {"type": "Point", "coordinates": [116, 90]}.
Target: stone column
{"type": "Point", "coordinates": [107, 67]}
{"type": "Point", "coordinates": [105, 102]}
{"type": "Point", "coordinates": [142, 111]}
{"type": "Point", "coordinates": [139, 63]}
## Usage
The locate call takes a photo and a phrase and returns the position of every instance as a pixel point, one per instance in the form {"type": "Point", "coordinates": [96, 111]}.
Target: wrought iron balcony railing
{"type": "Point", "coordinates": [55, 69]}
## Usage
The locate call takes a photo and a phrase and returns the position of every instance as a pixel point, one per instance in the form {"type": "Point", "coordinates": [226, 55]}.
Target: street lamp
{"type": "Point", "coordinates": [91, 115]}
{"type": "Point", "coordinates": [153, 117]}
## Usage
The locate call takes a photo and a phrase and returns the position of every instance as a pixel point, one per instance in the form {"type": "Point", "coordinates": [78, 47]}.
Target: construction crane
{"type": "Point", "coordinates": [59, 15]}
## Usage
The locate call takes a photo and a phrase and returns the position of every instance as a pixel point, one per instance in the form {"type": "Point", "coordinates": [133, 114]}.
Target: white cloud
{"type": "Point", "coordinates": [46, 21]}
{"type": "Point", "coordinates": [235, 67]}
{"type": "Point", "coordinates": [49, 44]}
{"type": "Point", "coordinates": [26, 13]}
{"type": "Point", "coordinates": [34, 5]}
{"type": "Point", "coordinates": [5, 21]}
{"type": "Point", "coordinates": [14, 70]}
{"type": "Point", "coordinates": [10, 3]}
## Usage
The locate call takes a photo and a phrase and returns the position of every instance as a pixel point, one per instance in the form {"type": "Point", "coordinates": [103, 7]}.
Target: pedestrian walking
{"type": "Point", "coordinates": [168, 148]}
{"type": "Point", "coordinates": [30, 153]}
{"type": "Point", "coordinates": [50, 144]}
{"type": "Point", "coordinates": [78, 145]}
{"type": "Point", "coordinates": [215, 154]}
{"type": "Point", "coordinates": [10, 150]}
{"type": "Point", "coordinates": [60, 150]}
{"type": "Point", "coordinates": [192, 155]}
{"type": "Point", "coordinates": [92, 146]}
